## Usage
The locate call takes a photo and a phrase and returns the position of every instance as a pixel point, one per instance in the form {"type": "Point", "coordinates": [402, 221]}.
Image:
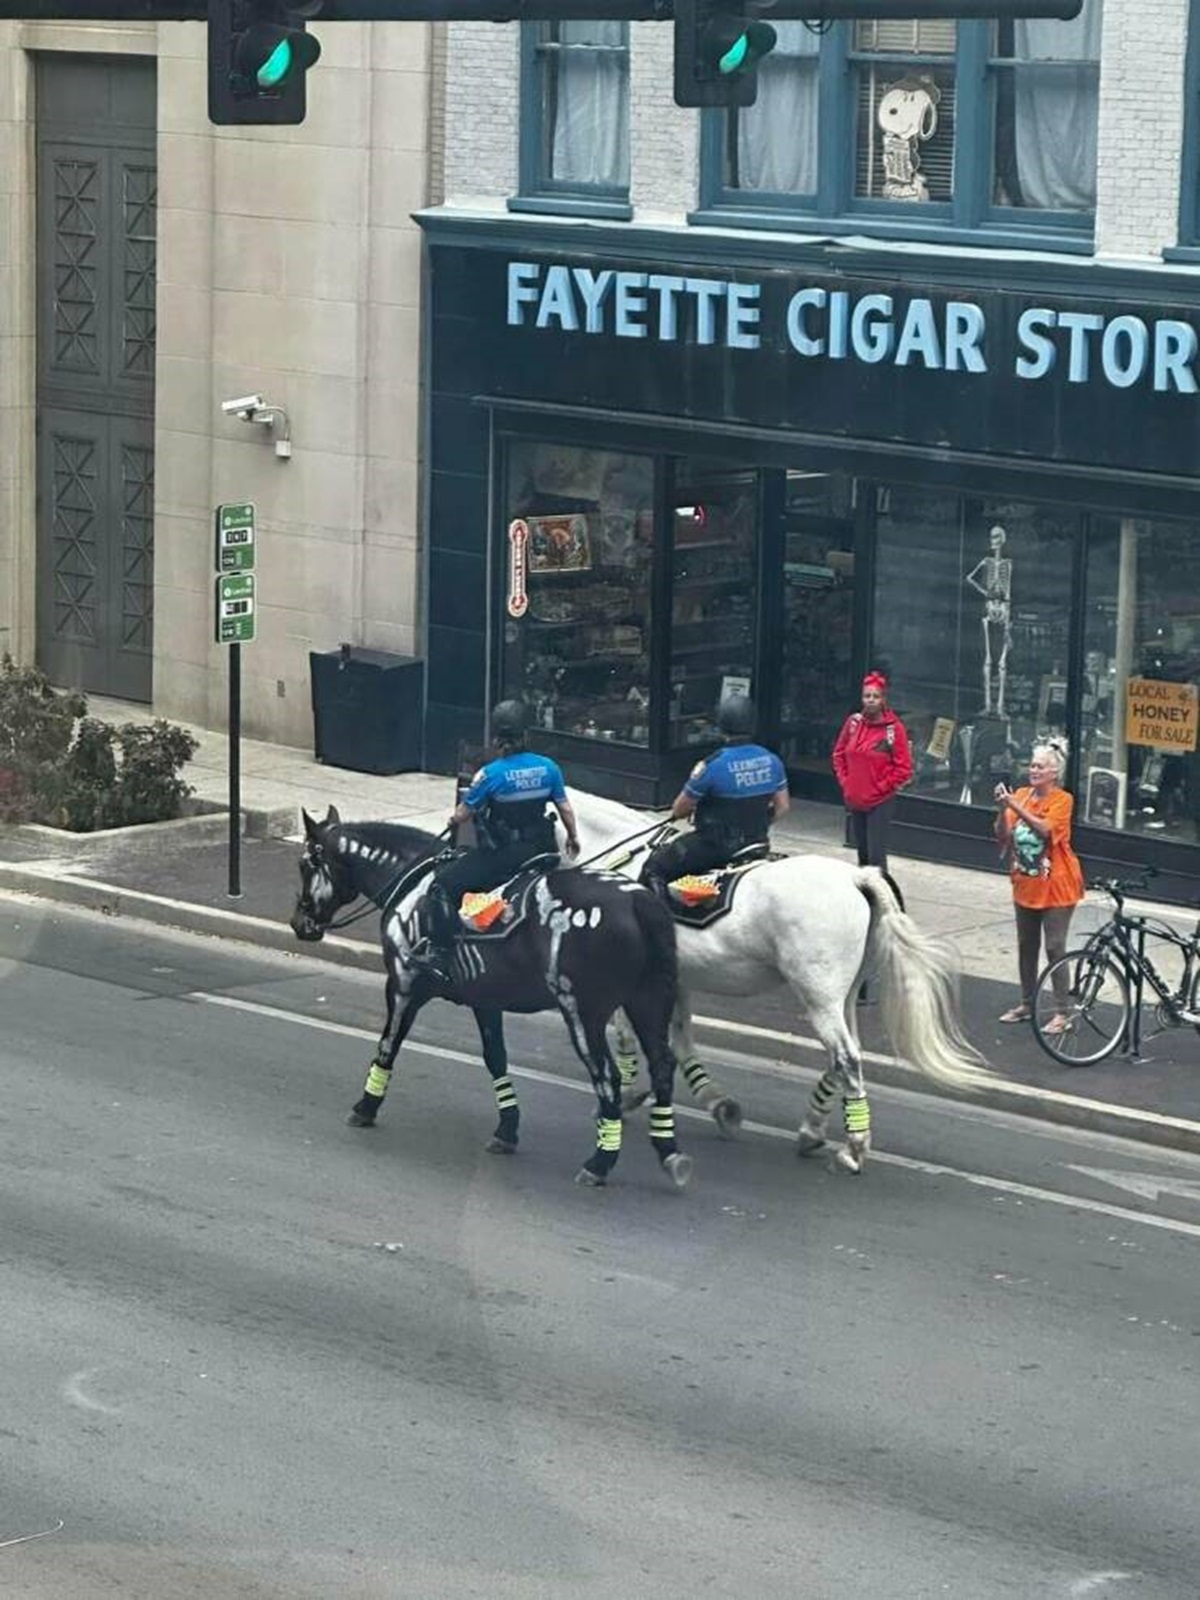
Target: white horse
{"type": "Point", "coordinates": [818, 925]}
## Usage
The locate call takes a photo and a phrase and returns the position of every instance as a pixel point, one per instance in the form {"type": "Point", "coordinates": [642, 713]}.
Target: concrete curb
{"type": "Point", "coordinates": [209, 822]}
{"type": "Point", "coordinates": [1146, 1127]}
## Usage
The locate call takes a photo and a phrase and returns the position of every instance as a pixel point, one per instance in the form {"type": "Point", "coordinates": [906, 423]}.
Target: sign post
{"type": "Point", "coordinates": [235, 595]}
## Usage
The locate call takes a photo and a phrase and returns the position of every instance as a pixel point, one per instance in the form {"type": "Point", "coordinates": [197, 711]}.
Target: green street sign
{"type": "Point", "coordinates": [235, 608]}
{"type": "Point", "coordinates": [235, 538]}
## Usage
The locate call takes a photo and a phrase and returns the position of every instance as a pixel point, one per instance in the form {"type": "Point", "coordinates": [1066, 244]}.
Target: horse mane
{"type": "Point", "coordinates": [398, 839]}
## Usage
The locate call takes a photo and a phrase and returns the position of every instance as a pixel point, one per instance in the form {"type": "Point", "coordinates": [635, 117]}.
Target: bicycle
{"type": "Point", "coordinates": [1105, 985]}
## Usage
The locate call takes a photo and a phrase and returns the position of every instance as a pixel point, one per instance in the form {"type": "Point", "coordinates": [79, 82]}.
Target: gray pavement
{"type": "Point", "coordinates": [253, 1354]}
{"type": "Point", "coordinates": [179, 874]}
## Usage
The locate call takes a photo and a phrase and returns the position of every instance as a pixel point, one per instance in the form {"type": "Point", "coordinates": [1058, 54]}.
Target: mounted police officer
{"type": "Point", "coordinates": [733, 796]}
{"type": "Point", "coordinates": [507, 803]}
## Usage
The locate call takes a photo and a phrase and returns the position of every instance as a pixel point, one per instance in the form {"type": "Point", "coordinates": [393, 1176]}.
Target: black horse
{"type": "Point", "coordinates": [581, 944]}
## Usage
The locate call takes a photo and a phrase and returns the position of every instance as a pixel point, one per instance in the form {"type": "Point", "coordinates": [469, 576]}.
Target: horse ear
{"type": "Point", "coordinates": [311, 829]}
{"type": "Point", "coordinates": [332, 817]}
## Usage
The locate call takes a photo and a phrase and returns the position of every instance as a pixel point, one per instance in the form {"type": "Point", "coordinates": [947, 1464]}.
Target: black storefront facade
{"type": "Point", "coordinates": [664, 466]}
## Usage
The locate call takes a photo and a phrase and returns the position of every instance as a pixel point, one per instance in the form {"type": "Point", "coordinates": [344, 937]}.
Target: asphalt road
{"type": "Point", "coordinates": [249, 1351]}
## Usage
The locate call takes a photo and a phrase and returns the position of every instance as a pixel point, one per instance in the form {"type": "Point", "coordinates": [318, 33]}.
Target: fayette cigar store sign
{"type": "Point", "coordinates": [818, 323]}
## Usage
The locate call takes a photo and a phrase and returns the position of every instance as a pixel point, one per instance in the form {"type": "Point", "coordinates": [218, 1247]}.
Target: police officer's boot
{"type": "Point", "coordinates": [434, 956]}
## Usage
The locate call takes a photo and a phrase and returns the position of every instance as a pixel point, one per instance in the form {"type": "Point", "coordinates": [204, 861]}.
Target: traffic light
{"type": "Point", "coordinates": [258, 54]}
{"type": "Point", "coordinates": [718, 45]}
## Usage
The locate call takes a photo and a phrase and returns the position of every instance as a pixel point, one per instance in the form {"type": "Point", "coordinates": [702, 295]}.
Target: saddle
{"type": "Point", "coordinates": [493, 914]}
{"type": "Point", "coordinates": [703, 898]}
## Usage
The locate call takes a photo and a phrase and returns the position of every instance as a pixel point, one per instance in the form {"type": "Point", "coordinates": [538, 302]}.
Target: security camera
{"type": "Point", "coordinates": [245, 407]}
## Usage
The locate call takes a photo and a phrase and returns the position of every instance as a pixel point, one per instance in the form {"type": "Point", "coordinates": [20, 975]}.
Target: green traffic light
{"type": "Point", "coordinates": [735, 55]}
{"type": "Point", "coordinates": [276, 67]}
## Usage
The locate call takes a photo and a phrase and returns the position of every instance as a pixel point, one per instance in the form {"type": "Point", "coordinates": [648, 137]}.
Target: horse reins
{"type": "Point", "coordinates": [644, 833]}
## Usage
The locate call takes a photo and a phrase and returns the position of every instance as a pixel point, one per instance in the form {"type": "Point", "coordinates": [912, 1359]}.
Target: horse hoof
{"type": "Point", "coordinates": [848, 1161]}
{"type": "Point", "coordinates": [496, 1146]}
{"type": "Point", "coordinates": [678, 1168]}
{"type": "Point", "coordinates": [632, 1100]}
{"type": "Point", "coordinates": [810, 1144]}
{"type": "Point", "coordinates": [356, 1119]}
{"type": "Point", "coordinates": [727, 1115]}
{"type": "Point", "coordinates": [590, 1180]}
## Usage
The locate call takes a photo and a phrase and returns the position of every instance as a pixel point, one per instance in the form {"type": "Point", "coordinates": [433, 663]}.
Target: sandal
{"type": "Point", "coordinates": [1057, 1024]}
{"type": "Point", "coordinates": [1019, 1013]}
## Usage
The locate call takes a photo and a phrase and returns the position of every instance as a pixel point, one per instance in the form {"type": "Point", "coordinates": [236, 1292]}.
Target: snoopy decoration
{"type": "Point", "coordinates": [907, 117]}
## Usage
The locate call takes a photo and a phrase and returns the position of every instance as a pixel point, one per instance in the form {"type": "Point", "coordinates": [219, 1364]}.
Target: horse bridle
{"type": "Point", "coordinates": [396, 890]}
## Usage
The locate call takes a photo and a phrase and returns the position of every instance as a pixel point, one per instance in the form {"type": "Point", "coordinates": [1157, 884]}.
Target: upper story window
{"type": "Point", "coordinates": [575, 110]}
{"type": "Point", "coordinates": [922, 126]}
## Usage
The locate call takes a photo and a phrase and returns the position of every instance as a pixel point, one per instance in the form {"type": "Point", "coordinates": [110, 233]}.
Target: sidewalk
{"type": "Point", "coordinates": [178, 874]}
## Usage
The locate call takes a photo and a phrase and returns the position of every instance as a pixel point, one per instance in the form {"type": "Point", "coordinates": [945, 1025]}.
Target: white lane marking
{"type": "Point", "coordinates": [24, 1538]}
{"type": "Point", "coordinates": [73, 1391]}
{"type": "Point", "coordinates": [1149, 1185]}
{"type": "Point", "coordinates": [1098, 1580]}
{"type": "Point", "coordinates": [930, 1169]}
{"type": "Point", "coordinates": [1028, 1091]}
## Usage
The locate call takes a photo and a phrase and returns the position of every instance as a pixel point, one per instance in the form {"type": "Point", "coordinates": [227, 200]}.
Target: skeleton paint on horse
{"type": "Point", "coordinates": [583, 945]}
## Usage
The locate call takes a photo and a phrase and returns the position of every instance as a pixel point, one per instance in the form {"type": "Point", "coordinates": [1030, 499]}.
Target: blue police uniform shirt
{"type": "Point", "coordinates": [521, 776]}
{"type": "Point", "coordinates": [737, 772]}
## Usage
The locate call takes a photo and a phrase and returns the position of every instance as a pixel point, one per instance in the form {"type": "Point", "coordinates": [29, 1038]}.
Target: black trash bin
{"type": "Point", "coordinates": [367, 709]}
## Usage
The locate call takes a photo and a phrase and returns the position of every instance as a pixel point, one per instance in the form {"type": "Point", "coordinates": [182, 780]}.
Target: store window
{"type": "Point", "coordinates": [817, 686]}
{"type": "Point", "coordinates": [926, 124]}
{"type": "Point", "coordinates": [714, 592]}
{"type": "Point", "coordinates": [575, 110]}
{"type": "Point", "coordinates": [579, 542]}
{"type": "Point", "coordinates": [971, 623]}
{"type": "Point", "coordinates": [1138, 767]}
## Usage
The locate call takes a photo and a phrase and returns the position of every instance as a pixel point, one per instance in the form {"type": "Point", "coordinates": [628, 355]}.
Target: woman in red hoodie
{"type": "Point", "coordinates": [872, 762]}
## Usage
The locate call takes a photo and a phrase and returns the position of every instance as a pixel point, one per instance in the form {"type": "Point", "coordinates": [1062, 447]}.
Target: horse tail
{"type": "Point", "coordinates": [918, 991]}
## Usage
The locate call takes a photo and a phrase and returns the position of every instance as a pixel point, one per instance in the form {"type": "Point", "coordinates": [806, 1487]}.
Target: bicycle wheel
{"type": "Point", "coordinates": [1096, 1008]}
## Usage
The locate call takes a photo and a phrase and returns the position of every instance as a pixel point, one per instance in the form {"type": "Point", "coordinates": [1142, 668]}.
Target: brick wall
{"type": "Point", "coordinates": [483, 74]}
{"type": "Point", "coordinates": [1141, 126]}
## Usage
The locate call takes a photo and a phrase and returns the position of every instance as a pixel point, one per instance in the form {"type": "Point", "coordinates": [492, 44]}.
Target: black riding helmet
{"type": "Point", "coordinates": [735, 716]}
{"type": "Point", "coordinates": [510, 719]}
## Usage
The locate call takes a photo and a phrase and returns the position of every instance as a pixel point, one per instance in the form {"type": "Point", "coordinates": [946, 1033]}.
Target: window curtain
{"type": "Point", "coordinates": [588, 99]}
{"type": "Point", "coordinates": [1056, 110]}
{"type": "Point", "coordinates": [776, 137]}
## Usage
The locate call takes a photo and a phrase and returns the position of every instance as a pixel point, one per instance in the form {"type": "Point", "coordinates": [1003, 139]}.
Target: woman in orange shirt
{"type": "Point", "coordinates": [1033, 825]}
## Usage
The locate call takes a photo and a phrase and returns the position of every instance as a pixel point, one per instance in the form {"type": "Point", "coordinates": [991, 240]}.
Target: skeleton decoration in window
{"type": "Point", "coordinates": [907, 117]}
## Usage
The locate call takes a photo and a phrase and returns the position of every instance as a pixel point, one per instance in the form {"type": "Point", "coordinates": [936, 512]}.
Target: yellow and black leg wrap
{"type": "Point", "coordinates": [698, 1081]}
{"type": "Point", "coordinates": [608, 1147]}
{"type": "Point", "coordinates": [504, 1140]}
{"type": "Point", "coordinates": [662, 1130]}
{"type": "Point", "coordinates": [627, 1066]}
{"type": "Point", "coordinates": [822, 1096]}
{"type": "Point", "coordinates": [374, 1090]}
{"type": "Point", "coordinates": [857, 1113]}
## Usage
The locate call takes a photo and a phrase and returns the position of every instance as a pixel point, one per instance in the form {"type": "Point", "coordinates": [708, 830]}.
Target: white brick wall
{"type": "Point", "coordinates": [664, 140]}
{"type": "Point", "coordinates": [483, 78]}
{"type": "Point", "coordinates": [1141, 126]}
